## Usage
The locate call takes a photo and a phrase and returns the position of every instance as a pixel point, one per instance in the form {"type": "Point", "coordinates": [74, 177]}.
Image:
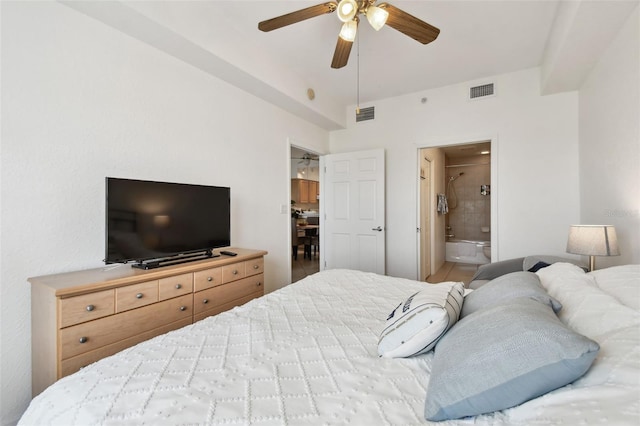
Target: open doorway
{"type": "Point", "coordinates": [305, 208]}
{"type": "Point", "coordinates": [455, 210]}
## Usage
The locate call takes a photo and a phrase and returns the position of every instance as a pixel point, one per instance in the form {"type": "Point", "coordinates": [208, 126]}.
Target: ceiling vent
{"type": "Point", "coordinates": [481, 91]}
{"type": "Point", "coordinates": [365, 114]}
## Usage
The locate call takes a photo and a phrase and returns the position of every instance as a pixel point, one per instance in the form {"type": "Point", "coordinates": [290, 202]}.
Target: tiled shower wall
{"type": "Point", "coordinates": [469, 211]}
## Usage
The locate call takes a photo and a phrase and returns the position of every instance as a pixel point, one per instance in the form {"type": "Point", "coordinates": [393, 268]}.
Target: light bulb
{"type": "Point", "coordinates": [377, 17]}
{"type": "Point", "coordinates": [349, 30]}
{"type": "Point", "coordinates": [347, 9]}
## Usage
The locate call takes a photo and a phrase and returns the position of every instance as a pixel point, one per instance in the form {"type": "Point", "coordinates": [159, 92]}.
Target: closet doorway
{"type": "Point", "coordinates": [305, 209]}
{"type": "Point", "coordinates": [456, 198]}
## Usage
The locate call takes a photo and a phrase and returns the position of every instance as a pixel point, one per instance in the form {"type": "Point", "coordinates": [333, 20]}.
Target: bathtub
{"type": "Point", "coordinates": [465, 251]}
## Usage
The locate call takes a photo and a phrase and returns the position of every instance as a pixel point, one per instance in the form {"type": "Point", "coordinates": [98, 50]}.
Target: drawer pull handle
{"type": "Point", "coordinates": [90, 308]}
{"type": "Point", "coordinates": [255, 266]}
{"type": "Point", "coordinates": [209, 279]}
{"type": "Point", "coordinates": [139, 296]}
{"type": "Point", "coordinates": [178, 286]}
{"type": "Point", "coordinates": [183, 308]}
{"type": "Point", "coordinates": [259, 284]}
{"type": "Point", "coordinates": [235, 272]}
{"type": "Point", "coordinates": [83, 339]}
{"type": "Point", "coordinates": [205, 301]}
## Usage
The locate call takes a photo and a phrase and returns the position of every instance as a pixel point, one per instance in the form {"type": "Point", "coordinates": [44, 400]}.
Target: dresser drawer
{"type": "Point", "coordinates": [233, 272]}
{"type": "Point", "coordinates": [136, 295]}
{"type": "Point", "coordinates": [79, 309]}
{"type": "Point", "coordinates": [207, 278]}
{"type": "Point", "coordinates": [225, 307]}
{"type": "Point", "coordinates": [254, 266]}
{"type": "Point", "coordinates": [220, 295]}
{"type": "Point", "coordinates": [175, 286]}
{"type": "Point", "coordinates": [73, 364]}
{"type": "Point", "coordinates": [89, 336]}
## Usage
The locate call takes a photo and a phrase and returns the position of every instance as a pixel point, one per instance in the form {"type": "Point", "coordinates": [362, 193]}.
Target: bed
{"type": "Point", "coordinates": [308, 354]}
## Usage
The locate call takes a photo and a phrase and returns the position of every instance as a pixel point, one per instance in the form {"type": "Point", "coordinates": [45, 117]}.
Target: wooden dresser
{"type": "Point", "coordinates": [80, 317]}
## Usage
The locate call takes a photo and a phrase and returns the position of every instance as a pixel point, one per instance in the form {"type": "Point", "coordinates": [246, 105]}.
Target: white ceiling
{"type": "Point", "coordinates": [478, 39]}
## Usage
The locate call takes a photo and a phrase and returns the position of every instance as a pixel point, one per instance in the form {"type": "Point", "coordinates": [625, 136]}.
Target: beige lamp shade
{"type": "Point", "coordinates": [593, 240]}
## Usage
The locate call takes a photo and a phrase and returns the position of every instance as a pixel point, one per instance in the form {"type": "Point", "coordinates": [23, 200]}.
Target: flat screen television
{"type": "Point", "coordinates": [157, 223]}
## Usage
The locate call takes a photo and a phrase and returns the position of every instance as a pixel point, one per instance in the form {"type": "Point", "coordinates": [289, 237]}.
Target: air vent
{"type": "Point", "coordinates": [481, 91]}
{"type": "Point", "coordinates": [367, 113]}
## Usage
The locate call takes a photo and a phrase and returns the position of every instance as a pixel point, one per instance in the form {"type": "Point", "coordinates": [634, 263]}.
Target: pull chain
{"type": "Point", "coordinates": [358, 76]}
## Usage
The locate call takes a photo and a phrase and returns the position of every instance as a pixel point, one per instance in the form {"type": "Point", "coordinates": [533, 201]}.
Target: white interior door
{"type": "Point", "coordinates": [354, 218]}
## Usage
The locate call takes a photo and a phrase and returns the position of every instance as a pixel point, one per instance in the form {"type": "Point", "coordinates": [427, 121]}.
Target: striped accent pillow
{"type": "Point", "coordinates": [417, 323]}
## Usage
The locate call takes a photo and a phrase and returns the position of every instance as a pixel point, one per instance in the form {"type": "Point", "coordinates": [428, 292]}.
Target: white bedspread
{"type": "Point", "coordinates": [306, 354]}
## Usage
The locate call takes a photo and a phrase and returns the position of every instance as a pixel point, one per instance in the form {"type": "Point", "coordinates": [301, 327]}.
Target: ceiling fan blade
{"type": "Point", "coordinates": [410, 25]}
{"type": "Point", "coordinates": [297, 16]}
{"type": "Point", "coordinates": [341, 54]}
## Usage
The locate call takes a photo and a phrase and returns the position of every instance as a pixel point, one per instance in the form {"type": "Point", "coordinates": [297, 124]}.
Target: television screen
{"type": "Point", "coordinates": [156, 220]}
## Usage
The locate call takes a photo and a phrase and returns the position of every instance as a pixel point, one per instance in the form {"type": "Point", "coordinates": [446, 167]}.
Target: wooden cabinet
{"type": "Point", "coordinates": [80, 317]}
{"type": "Point", "coordinates": [305, 191]}
{"type": "Point", "coordinates": [313, 191]}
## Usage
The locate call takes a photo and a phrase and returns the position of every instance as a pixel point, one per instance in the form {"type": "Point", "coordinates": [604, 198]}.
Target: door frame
{"type": "Point", "coordinates": [428, 226]}
{"type": "Point", "coordinates": [495, 190]}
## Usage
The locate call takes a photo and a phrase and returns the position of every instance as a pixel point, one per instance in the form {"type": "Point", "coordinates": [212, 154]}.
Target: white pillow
{"type": "Point", "coordinates": [417, 323]}
{"type": "Point", "coordinates": [622, 282]}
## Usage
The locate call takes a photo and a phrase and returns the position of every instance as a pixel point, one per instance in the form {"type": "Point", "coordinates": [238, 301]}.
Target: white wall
{"type": "Point", "coordinates": [610, 143]}
{"type": "Point", "coordinates": [81, 101]}
{"type": "Point", "coordinates": [537, 167]}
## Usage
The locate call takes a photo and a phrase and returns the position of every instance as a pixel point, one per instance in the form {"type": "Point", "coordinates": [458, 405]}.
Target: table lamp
{"type": "Point", "coordinates": [593, 240]}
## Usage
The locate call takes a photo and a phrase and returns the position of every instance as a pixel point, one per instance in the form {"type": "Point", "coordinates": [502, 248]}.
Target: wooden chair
{"type": "Point", "coordinates": [314, 238]}
{"type": "Point", "coordinates": [294, 238]}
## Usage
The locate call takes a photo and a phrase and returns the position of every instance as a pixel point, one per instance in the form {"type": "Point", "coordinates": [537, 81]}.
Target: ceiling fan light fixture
{"type": "Point", "coordinates": [377, 17]}
{"type": "Point", "coordinates": [349, 30]}
{"type": "Point", "coordinates": [347, 10]}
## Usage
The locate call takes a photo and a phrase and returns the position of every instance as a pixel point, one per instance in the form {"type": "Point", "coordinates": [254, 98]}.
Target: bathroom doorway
{"type": "Point", "coordinates": [455, 203]}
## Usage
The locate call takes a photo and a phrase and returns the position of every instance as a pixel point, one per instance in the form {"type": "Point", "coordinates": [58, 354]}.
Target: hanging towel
{"type": "Point", "coordinates": [443, 206]}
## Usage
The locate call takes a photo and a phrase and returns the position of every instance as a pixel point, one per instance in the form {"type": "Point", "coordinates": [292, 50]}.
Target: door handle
{"type": "Point", "coordinates": [379, 229]}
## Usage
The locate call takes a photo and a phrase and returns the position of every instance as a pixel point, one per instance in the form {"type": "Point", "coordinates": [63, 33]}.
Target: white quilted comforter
{"type": "Point", "coordinates": [307, 354]}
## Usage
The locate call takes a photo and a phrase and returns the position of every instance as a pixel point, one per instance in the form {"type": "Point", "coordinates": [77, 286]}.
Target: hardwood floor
{"type": "Point", "coordinates": [451, 271]}
{"type": "Point", "coordinates": [302, 267]}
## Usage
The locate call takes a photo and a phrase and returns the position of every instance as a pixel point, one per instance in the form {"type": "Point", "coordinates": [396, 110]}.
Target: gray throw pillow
{"type": "Point", "coordinates": [500, 357]}
{"type": "Point", "coordinates": [493, 270]}
{"type": "Point", "coordinates": [506, 287]}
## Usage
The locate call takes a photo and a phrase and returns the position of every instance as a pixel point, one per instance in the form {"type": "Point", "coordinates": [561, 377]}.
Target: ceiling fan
{"type": "Point", "coordinates": [348, 11]}
{"type": "Point", "coordinates": [306, 158]}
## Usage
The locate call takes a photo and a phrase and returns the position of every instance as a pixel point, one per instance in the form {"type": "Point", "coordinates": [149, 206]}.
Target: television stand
{"type": "Point", "coordinates": [174, 260]}
{"type": "Point", "coordinates": [111, 309]}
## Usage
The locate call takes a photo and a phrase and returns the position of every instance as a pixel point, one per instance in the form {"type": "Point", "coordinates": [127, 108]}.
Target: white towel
{"type": "Point", "coordinates": [443, 206]}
